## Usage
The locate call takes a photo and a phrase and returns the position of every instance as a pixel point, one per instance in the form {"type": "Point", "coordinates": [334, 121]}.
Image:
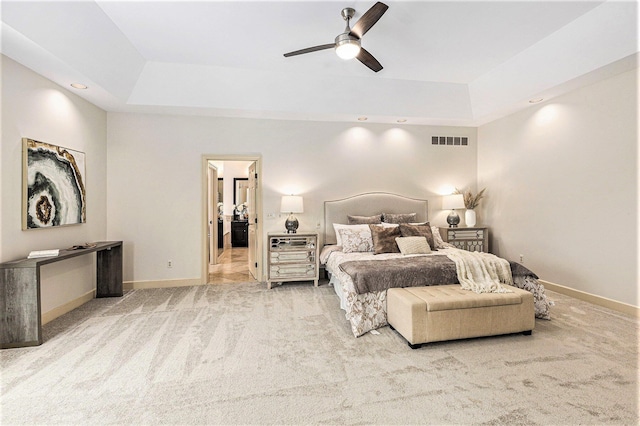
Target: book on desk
{"type": "Point", "coordinates": [43, 253]}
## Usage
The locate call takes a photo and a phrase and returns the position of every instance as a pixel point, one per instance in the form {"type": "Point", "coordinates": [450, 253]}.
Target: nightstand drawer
{"type": "Point", "coordinates": [465, 234]}
{"type": "Point", "coordinates": [292, 271]}
{"type": "Point", "coordinates": [292, 256]}
{"type": "Point", "coordinates": [292, 243]}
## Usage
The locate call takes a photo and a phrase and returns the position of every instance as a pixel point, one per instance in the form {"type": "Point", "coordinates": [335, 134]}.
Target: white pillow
{"type": "Point", "coordinates": [413, 245]}
{"type": "Point", "coordinates": [437, 238]}
{"type": "Point", "coordinates": [338, 226]}
{"type": "Point", "coordinates": [356, 240]}
{"type": "Point", "coordinates": [388, 225]}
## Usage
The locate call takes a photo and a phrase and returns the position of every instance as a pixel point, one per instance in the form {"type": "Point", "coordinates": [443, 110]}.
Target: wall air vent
{"type": "Point", "coordinates": [450, 140]}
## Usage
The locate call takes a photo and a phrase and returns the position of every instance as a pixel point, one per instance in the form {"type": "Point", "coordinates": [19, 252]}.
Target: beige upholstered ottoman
{"type": "Point", "coordinates": [447, 312]}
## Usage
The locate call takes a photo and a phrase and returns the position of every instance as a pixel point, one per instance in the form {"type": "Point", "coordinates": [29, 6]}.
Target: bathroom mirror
{"type": "Point", "coordinates": [220, 190]}
{"type": "Point", "coordinates": [240, 186]}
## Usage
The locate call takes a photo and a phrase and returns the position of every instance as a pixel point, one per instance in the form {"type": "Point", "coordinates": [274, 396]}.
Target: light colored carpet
{"type": "Point", "coordinates": [241, 354]}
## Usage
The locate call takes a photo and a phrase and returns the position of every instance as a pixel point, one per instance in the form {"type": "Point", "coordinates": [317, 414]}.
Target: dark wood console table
{"type": "Point", "coordinates": [20, 308]}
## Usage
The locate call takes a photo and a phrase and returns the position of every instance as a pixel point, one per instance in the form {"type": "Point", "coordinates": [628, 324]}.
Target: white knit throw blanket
{"type": "Point", "coordinates": [481, 272]}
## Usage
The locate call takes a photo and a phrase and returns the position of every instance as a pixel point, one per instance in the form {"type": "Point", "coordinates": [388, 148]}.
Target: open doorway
{"type": "Point", "coordinates": [231, 206]}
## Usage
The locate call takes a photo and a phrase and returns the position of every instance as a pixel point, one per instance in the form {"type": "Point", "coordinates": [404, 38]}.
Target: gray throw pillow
{"type": "Point", "coordinates": [384, 239]}
{"type": "Point", "coordinates": [398, 217]}
{"type": "Point", "coordinates": [358, 220]}
{"type": "Point", "coordinates": [408, 230]}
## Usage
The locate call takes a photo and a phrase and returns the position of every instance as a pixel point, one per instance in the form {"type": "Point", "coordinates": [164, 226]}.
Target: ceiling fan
{"type": "Point", "coordinates": [347, 44]}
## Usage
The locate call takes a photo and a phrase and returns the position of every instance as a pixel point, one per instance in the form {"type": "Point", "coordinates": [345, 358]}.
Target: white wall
{"type": "Point", "coordinates": [154, 175]}
{"type": "Point", "coordinates": [561, 179]}
{"type": "Point", "coordinates": [37, 108]}
{"type": "Point", "coordinates": [562, 188]}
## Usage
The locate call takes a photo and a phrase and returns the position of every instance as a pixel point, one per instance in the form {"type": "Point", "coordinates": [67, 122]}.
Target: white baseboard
{"type": "Point", "coordinates": [625, 308]}
{"type": "Point", "coordinates": [67, 307]}
{"type": "Point", "coordinates": [136, 285]}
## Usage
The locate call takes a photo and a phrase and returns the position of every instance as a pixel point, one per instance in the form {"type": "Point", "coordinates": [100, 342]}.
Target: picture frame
{"type": "Point", "coordinates": [53, 185]}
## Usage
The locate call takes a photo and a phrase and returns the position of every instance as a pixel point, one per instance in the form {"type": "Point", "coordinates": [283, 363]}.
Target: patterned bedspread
{"type": "Point", "coordinates": [367, 311]}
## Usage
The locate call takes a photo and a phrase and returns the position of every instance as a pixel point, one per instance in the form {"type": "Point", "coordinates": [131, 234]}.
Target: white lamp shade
{"type": "Point", "coordinates": [453, 201]}
{"type": "Point", "coordinates": [291, 204]}
{"type": "Point", "coordinates": [347, 49]}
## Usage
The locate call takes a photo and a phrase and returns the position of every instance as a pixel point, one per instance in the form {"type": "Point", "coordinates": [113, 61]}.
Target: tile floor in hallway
{"type": "Point", "coordinates": [231, 268]}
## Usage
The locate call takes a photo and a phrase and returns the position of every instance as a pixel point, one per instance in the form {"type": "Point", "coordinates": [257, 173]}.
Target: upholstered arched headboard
{"type": "Point", "coordinates": [369, 204]}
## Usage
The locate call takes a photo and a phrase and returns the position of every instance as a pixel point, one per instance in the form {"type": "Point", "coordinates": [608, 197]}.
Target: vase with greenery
{"type": "Point", "coordinates": [470, 202]}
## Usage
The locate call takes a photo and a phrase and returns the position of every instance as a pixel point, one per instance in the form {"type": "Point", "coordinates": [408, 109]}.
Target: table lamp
{"type": "Point", "coordinates": [453, 202]}
{"type": "Point", "coordinates": [292, 204]}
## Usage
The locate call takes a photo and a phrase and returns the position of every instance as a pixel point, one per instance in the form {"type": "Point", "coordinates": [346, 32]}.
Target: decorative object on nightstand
{"type": "Point", "coordinates": [470, 217]}
{"type": "Point", "coordinates": [291, 204]}
{"type": "Point", "coordinates": [470, 239]}
{"type": "Point", "coordinates": [292, 257]}
{"type": "Point", "coordinates": [453, 202]}
{"type": "Point", "coordinates": [470, 202]}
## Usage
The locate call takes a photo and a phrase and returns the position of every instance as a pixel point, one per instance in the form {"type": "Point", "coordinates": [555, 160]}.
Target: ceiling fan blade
{"type": "Point", "coordinates": [310, 49]}
{"type": "Point", "coordinates": [368, 59]}
{"type": "Point", "coordinates": [369, 19]}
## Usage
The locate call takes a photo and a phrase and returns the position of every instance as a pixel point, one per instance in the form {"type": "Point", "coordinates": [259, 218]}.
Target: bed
{"type": "Point", "coordinates": [365, 305]}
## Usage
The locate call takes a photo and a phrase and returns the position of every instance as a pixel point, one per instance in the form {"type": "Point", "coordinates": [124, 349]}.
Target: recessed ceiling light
{"type": "Point", "coordinates": [362, 118]}
{"type": "Point", "coordinates": [78, 86]}
{"type": "Point", "coordinates": [536, 100]}
{"type": "Point", "coordinates": [401, 120]}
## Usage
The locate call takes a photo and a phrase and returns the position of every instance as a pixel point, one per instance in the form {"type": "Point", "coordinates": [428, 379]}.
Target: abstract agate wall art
{"type": "Point", "coordinates": [53, 185]}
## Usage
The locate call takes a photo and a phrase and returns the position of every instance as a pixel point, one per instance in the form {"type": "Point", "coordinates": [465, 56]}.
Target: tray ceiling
{"type": "Point", "coordinates": [455, 63]}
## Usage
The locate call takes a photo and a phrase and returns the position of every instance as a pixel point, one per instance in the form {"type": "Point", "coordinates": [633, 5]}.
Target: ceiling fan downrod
{"type": "Point", "coordinates": [347, 13]}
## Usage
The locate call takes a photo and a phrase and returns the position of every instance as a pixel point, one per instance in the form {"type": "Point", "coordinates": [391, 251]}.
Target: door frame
{"type": "Point", "coordinates": [212, 215]}
{"type": "Point", "coordinates": [204, 277]}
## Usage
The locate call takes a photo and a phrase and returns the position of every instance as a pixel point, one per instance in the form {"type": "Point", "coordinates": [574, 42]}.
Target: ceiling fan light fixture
{"type": "Point", "coordinates": [347, 46]}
